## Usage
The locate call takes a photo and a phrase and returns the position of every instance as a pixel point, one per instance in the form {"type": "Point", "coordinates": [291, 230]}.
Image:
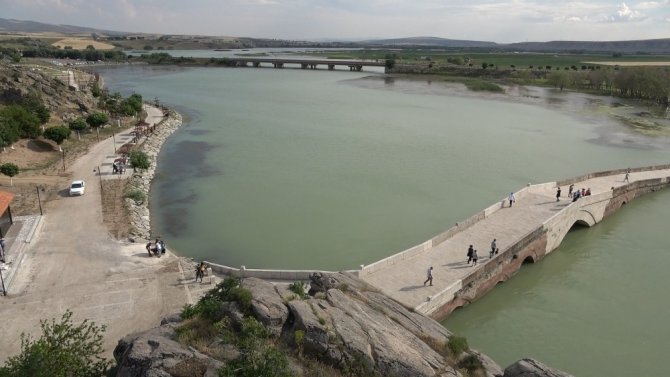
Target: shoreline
{"type": "Point", "coordinates": [140, 214]}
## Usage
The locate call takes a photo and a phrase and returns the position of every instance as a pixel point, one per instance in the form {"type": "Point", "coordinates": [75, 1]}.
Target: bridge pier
{"type": "Point", "coordinates": [278, 65]}
{"type": "Point", "coordinates": [303, 65]}
{"type": "Point", "coordinates": [257, 64]}
{"type": "Point", "coordinates": [331, 67]}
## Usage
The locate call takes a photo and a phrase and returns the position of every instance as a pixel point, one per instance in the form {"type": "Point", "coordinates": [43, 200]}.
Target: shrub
{"type": "Point", "coordinates": [63, 350]}
{"type": "Point", "coordinates": [458, 344]}
{"type": "Point", "coordinates": [139, 160]}
{"type": "Point", "coordinates": [471, 363]}
{"type": "Point", "coordinates": [137, 195]}
{"type": "Point", "coordinates": [298, 288]}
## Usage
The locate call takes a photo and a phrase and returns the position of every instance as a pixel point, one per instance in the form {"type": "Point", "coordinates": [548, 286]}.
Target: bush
{"type": "Point", "coordinates": [471, 363]}
{"type": "Point", "coordinates": [18, 122]}
{"type": "Point", "coordinates": [298, 288]}
{"type": "Point", "coordinates": [137, 195]}
{"type": "Point", "coordinates": [139, 160]}
{"type": "Point", "coordinates": [63, 350]}
{"type": "Point", "coordinates": [458, 345]}
{"type": "Point", "coordinates": [267, 361]}
{"type": "Point", "coordinates": [209, 305]}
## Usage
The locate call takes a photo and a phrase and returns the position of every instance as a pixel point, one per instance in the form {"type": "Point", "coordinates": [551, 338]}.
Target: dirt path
{"type": "Point", "coordinates": [75, 264]}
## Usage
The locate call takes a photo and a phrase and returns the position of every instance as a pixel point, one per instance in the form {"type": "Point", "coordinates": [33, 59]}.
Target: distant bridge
{"type": "Point", "coordinates": [354, 65]}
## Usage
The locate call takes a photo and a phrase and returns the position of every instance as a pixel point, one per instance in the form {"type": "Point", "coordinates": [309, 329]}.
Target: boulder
{"type": "Point", "coordinates": [154, 353]}
{"type": "Point", "coordinates": [266, 304]}
{"type": "Point", "coordinates": [532, 368]}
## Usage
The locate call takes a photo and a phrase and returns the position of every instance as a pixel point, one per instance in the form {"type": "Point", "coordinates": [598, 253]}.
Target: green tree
{"type": "Point", "coordinates": [58, 134]}
{"type": "Point", "coordinates": [9, 170]}
{"type": "Point", "coordinates": [139, 160]}
{"type": "Point", "coordinates": [558, 79]}
{"type": "Point", "coordinates": [484, 65]}
{"type": "Point", "coordinates": [95, 90]}
{"type": "Point", "coordinates": [97, 119]}
{"type": "Point", "coordinates": [63, 350]}
{"type": "Point", "coordinates": [78, 124]}
{"type": "Point", "coordinates": [25, 123]}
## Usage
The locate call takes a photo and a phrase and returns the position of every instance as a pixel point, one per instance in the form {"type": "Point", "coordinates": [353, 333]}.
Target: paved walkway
{"type": "Point", "coordinates": [403, 280]}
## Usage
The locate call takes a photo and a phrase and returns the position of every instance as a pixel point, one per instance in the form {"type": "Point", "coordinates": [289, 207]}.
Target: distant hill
{"type": "Point", "coordinates": [648, 46]}
{"type": "Point", "coordinates": [429, 42]}
{"type": "Point", "coordinates": [19, 26]}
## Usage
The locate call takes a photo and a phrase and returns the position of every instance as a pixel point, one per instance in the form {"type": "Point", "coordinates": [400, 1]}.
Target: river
{"type": "Point", "coordinates": [329, 170]}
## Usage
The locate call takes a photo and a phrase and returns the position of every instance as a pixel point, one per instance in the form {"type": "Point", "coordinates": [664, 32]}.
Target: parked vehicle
{"type": "Point", "coordinates": [77, 188]}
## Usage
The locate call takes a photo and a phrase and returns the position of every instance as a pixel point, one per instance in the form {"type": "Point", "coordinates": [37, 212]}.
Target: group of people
{"type": "Point", "coordinates": [118, 167]}
{"type": "Point", "coordinates": [157, 249]}
{"type": "Point", "coordinates": [576, 194]}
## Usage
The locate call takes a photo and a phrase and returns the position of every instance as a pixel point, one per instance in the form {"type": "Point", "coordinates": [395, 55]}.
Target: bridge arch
{"type": "Point", "coordinates": [528, 260]}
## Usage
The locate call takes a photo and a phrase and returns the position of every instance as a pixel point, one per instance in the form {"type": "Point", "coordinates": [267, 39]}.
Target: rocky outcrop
{"type": "Point", "coordinates": [346, 324]}
{"type": "Point", "coordinates": [266, 304]}
{"type": "Point", "coordinates": [140, 221]}
{"type": "Point", "coordinates": [532, 368]}
{"type": "Point", "coordinates": [154, 353]}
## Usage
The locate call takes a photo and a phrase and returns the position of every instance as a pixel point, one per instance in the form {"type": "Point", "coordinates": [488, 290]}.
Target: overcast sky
{"type": "Point", "coordinates": [487, 20]}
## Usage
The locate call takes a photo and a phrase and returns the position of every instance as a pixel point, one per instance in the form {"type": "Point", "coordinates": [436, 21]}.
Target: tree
{"type": "Point", "coordinates": [63, 350]}
{"type": "Point", "coordinates": [78, 124]}
{"type": "Point", "coordinates": [23, 122]}
{"type": "Point", "coordinates": [97, 119]}
{"type": "Point", "coordinates": [484, 65]}
{"type": "Point", "coordinates": [9, 170]}
{"type": "Point", "coordinates": [58, 134]}
{"type": "Point", "coordinates": [139, 160]}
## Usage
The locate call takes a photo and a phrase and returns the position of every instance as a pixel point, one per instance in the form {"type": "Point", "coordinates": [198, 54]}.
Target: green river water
{"type": "Point", "coordinates": [329, 170]}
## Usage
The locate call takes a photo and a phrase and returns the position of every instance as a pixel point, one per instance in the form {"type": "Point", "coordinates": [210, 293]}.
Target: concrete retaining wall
{"type": "Point", "coordinates": [287, 275]}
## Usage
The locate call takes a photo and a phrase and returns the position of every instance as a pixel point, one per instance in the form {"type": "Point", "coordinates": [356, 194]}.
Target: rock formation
{"type": "Point", "coordinates": [345, 324]}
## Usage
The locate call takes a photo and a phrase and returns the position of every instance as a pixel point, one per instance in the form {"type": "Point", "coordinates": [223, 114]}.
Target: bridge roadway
{"type": "Point", "coordinates": [402, 280]}
{"type": "Point", "coordinates": [354, 65]}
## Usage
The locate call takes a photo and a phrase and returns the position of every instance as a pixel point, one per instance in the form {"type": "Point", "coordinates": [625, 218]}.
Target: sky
{"type": "Point", "coordinates": [485, 20]}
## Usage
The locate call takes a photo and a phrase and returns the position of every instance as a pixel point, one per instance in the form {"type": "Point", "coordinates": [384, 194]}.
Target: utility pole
{"type": "Point", "coordinates": [100, 176]}
{"type": "Point", "coordinates": [114, 140]}
{"type": "Point", "coordinates": [63, 154]}
{"type": "Point", "coordinates": [39, 201]}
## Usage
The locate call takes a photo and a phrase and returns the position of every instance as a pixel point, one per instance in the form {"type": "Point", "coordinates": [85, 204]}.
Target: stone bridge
{"type": "Point", "coordinates": [532, 228]}
{"type": "Point", "coordinates": [353, 65]}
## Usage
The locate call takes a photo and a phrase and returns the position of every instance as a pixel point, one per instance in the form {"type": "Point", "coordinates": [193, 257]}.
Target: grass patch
{"type": "Point", "coordinates": [458, 345]}
{"type": "Point", "coordinates": [137, 195]}
{"type": "Point", "coordinates": [483, 86]}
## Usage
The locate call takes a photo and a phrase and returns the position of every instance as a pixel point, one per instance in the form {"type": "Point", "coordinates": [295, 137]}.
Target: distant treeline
{"type": "Point", "coordinates": [646, 83]}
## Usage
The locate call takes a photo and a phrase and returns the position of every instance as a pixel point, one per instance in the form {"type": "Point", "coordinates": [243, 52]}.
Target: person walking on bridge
{"type": "Point", "coordinates": [494, 247]}
{"type": "Point", "coordinates": [558, 193]}
{"type": "Point", "coordinates": [429, 276]}
{"type": "Point", "coordinates": [511, 199]}
{"type": "Point", "coordinates": [469, 254]}
{"type": "Point", "coordinates": [625, 178]}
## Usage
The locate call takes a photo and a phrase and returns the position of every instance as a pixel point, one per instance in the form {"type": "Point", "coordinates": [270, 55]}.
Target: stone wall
{"type": "Point", "coordinates": [140, 220]}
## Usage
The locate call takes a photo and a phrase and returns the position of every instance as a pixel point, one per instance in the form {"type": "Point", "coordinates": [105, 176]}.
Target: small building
{"type": "Point", "coordinates": [5, 212]}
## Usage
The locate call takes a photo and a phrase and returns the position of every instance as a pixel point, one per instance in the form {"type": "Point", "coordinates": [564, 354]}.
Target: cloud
{"type": "Point", "coordinates": [128, 8]}
{"type": "Point", "coordinates": [626, 14]}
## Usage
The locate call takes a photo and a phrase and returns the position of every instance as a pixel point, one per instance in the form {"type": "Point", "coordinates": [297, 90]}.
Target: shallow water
{"type": "Point", "coordinates": [328, 170]}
